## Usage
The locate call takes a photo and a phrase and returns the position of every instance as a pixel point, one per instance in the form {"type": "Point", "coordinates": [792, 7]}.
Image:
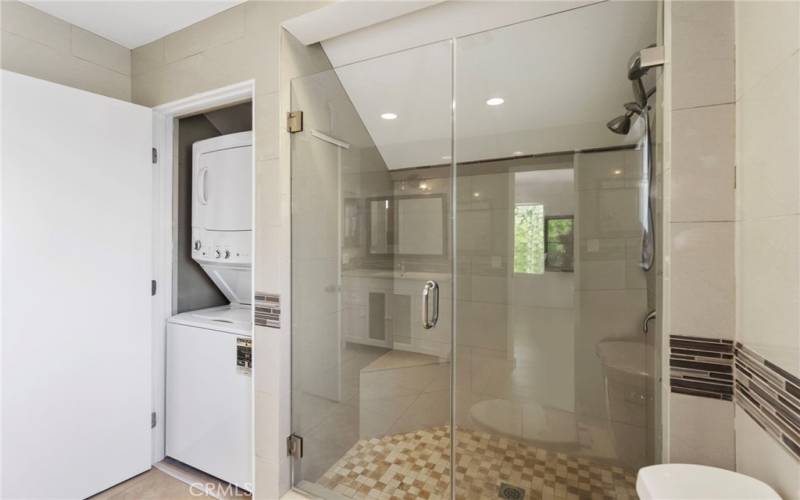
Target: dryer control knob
{"type": "Point", "coordinates": [197, 244]}
{"type": "Point", "coordinates": [227, 254]}
{"type": "Point", "coordinates": [219, 254]}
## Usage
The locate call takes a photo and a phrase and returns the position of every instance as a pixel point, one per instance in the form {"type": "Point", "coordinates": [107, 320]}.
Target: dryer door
{"type": "Point", "coordinates": [224, 189]}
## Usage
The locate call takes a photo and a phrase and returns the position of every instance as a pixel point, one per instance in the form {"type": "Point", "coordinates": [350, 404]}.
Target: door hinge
{"type": "Point", "coordinates": [155, 156]}
{"type": "Point", "coordinates": [294, 446]}
{"type": "Point", "coordinates": [294, 121]}
{"type": "Point", "coordinates": [153, 287]}
{"type": "Point", "coordinates": [153, 420]}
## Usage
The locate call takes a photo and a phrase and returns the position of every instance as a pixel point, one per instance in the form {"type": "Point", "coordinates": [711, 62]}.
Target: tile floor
{"type": "Point", "coordinates": [415, 465]}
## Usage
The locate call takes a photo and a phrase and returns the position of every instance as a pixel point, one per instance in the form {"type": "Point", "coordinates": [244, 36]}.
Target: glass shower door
{"type": "Point", "coordinates": [553, 381]}
{"type": "Point", "coordinates": [371, 276]}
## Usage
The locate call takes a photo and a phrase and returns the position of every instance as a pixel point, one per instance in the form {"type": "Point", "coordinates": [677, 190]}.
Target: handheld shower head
{"type": "Point", "coordinates": [620, 125]}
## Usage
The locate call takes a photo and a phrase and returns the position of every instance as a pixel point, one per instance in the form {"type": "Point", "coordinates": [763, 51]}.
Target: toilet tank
{"type": "Point", "coordinates": [222, 213]}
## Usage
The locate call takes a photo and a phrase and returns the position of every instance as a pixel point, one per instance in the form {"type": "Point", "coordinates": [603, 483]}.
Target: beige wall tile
{"type": "Point", "coordinates": [25, 21]}
{"type": "Point", "coordinates": [703, 150]}
{"type": "Point", "coordinates": [702, 53]}
{"type": "Point", "coordinates": [40, 61]}
{"type": "Point", "coordinates": [267, 124]}
{"type": "Point", "coordinates": [39, 45]}
{"type": "Point", "coordinates": [769, 288]}
{"type": "Point", "coordinates": [768, 147]}
{"type": "Point", "coordinates": [147, 57]}
{"type": "Point", "coordinates": [759, 456]}
{"type": "Point", "coordinates": [702, 279]}
{"type": "Point", "coordinates": [216, 30]}
{"type": "Point", "coordinates": [98, 50]}
{"type": "Point", "coordinates": [767, 33]}
{"type": "Point", "coordinates": [172, 82]}
{"type": "Point", "coordinates": [701, 431]}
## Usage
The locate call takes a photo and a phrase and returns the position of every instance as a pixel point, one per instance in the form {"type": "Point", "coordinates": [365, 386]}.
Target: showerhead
{"type": "Point", "coordinates": [620, 125]}
{"type": "Point", "coordinates": [635, 69]}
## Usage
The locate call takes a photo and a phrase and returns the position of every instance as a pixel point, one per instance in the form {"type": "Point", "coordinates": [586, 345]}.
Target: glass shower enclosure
{"type": "Point", "coordinates": [470, 238]}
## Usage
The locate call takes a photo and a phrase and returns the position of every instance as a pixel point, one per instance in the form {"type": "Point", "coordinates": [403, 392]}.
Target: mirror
{"type": "Point", "coordinates": [408, 225]}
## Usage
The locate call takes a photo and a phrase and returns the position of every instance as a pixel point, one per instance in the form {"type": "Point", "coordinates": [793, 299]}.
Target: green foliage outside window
{"type": "Point", "coordinates": [558, 243]}
{"type": "Point", "coordinates": [529, 253]}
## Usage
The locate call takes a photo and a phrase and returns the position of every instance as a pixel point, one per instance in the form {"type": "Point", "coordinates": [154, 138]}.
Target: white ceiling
{"type": "Point", "coordinates": [562, 77]}
{"type": "Point", "coordinates": [132, 23]}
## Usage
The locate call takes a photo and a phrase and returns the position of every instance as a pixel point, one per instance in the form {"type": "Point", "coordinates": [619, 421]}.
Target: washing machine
{"type": "Point", "coordinates": [208, 417]}
{"type": "Point", "coordinates": [209, 382]}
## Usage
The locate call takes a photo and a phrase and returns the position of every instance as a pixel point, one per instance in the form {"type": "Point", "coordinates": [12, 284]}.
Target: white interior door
{"type": "Point", "coordinates": [76, 270]}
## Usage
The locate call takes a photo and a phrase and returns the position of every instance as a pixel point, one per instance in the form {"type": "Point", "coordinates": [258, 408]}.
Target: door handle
{"type": "Point", "coordinates": [201, 187]}
{"type": "Point", "coordinates": [430, 292]}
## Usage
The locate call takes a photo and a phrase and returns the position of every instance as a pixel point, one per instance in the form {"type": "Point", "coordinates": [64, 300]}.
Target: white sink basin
{"type": "Point", "coordinates": [627, 356]}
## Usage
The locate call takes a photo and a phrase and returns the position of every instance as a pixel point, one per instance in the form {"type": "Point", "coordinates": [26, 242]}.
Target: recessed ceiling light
{"type": "Point", "coordinates": [618, 172]}
{"type": "Point", "coordinates": [389, 116]}
{"type": "Point", "coordinates": [423, 186]}
{"type": "Point", "coordinates": [517, 153]}
{"type": "Point", "coordinates": [495, 101]}
{"type": "Point", "coordinates": [476, 194]}
{"type": "Point", "coordinates": [447, 157]}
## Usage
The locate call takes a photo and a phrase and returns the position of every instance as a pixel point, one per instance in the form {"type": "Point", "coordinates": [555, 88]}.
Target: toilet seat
{"type": "Point", "coordinates": [699, 482]}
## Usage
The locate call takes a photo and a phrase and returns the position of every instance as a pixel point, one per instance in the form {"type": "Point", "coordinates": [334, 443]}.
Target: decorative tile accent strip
{"type": "Point", "coordinates": [771, 396]}
{"type": "Point", "coordinates": [701, 367]}
{"type": "Point", "coordinates": [267, 310]}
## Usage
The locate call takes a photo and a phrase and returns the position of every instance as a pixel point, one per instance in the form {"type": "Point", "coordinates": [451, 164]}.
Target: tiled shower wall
{"type": "Point", "coordinates": [733, 203]}
{"type": "Point", "coordinates": [699, 204]}
{"type": "Point", "coordinates": [768, 243]}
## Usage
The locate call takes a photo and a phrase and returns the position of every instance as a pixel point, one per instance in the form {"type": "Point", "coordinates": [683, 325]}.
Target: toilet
{"type": "Point", "coordinates": [698, 482]}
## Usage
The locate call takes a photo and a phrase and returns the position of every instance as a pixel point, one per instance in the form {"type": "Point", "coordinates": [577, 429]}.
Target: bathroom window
{"type": "Point", "coordinates": [558, 245]}
{"type": "Point", "coordinates": [529, 238]}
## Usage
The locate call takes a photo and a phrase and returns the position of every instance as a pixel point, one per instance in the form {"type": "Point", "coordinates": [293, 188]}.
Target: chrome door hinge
{"type": "Point", "coordinates": [294, 446]}
{"type": "Point", "coordinates": [153, 420]}
{"type": "Point", "coordinates": [153, 287]}
{"type": "Point", "coordinates": [155, 156]}
{"type": "Point", "coordinates": [294, 121]}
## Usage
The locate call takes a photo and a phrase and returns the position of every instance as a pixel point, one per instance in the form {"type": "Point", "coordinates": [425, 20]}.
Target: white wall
{"type": "Point", "coordinates": [39, 45]}
{"type": "Point", "coordinates": [768, 215]}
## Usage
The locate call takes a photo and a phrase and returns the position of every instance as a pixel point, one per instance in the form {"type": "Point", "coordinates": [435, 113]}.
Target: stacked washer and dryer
{"type": "Point", "coordinates": [208, 396]}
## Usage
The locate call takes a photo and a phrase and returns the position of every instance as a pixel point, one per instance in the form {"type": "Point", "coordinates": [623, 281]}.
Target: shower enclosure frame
{"type": "Point", "coordinates": [452, 237]}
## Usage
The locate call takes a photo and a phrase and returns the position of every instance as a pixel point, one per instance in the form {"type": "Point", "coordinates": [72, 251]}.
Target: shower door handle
{"type": "Point", "coordinates": [430, 315]}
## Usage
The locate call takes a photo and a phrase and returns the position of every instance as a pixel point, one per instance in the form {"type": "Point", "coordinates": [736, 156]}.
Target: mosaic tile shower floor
{"type": "Point", "coordinates": [415, 465]}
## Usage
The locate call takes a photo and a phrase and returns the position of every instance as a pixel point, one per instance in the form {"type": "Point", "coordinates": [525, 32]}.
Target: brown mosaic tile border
{"type": "Point", "coordinates": [771, 396]}
{"type": "Point", "coordinates": [701, 367]}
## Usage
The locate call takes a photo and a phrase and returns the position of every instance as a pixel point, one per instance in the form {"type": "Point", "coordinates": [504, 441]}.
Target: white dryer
{"type": "Point", "coordinates": [209, 383]}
